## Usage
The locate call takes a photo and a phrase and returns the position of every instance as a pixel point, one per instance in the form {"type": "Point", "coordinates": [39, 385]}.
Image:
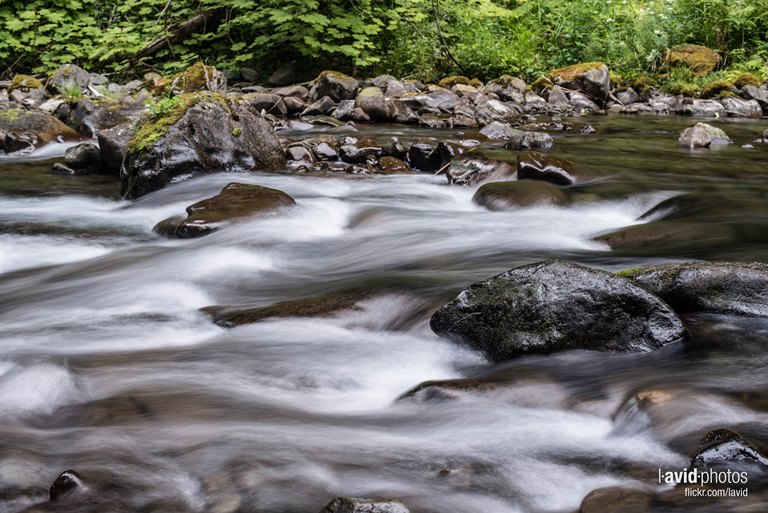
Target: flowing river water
{"type": "Point", "coordinates": [109, 367]}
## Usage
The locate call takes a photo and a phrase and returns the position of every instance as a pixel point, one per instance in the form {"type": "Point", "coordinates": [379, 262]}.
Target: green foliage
{"type": "Point", "coordinates": [158, 107]}
{"type": "Point", "coordinates": [424, 39]}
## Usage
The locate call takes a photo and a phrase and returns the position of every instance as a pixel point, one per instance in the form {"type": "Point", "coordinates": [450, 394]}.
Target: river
{"type": "Point", "coordinates": [109, 367]}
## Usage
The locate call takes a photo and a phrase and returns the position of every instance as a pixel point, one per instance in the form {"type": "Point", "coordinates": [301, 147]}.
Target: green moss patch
{"type": "Point", "coordinates": [453, 80]}
{"type": "Point", "coordinates": [569, 73]}
{"type": "Point", "coordinates": [24, 82]}
{"type": "Point", "coordinates": [699, 59]}
{"type": "Point", "coordinates": [714, 89]}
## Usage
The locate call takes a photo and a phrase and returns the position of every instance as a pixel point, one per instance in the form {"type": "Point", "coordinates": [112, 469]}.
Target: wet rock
{"type": "Point", "coordinates": [698, 59]}
{"type": "Point", "coordinates": [299, 153]}
{"type": "Point", "coordinates": [702, 135]}
{"type": "Point", "coordinates": [395, 148]}
{"type": "Point", "coordinates": [22, 129]}
{"type": "Point", "coordinates": [335, 85]}
{"type": "Point", "coordinates": [742, 108]}
{"type": "Point", "coordinates": [494, 110]}
{"type": "Point", "coordinates": [668, 235]}
{"type": "Point", "coordinates": [318, 306]}
{"type": "Point", "coordinates": [321, 107]}
{"type": "Point", "coordinates": [343, 110]}
{"type": "Point", "coordinates": [637, 108]}
{"type": "Point", "coordinates": [530, 141]}
{"type": "Point", "coordinates": [537, 166]}
{"type": "Point", "coordinates": [469, 170]}
{"type": "Point", "coordinates": [68, 78]}
{"type": "Point", "coordinates": [371, 101]}
{"type": "Point", "coordinates": [557, 96]}
{"type": "Point", "coordinates": [702, 108]}
{"type": "Point", "coordinates": [63, 170]}
{"type": "Point", "coordinates": [267, 103]}
{"type": "Point", "coordinates": [516, 194]}
{"type": "Point", "coordinates": [360, 154]}
{"type": "Point", "coordinates": [428, 157]}
{"type": "Point", "coordinates": [105, 117]}
{"type": "Point", "coordinates": [68, 483]}
{"type": "Point", "coordinates": [112, 145]}
{"type": "Point", "coordinates": [356, 505]}
{"type": "Point", "coordinates": [85, 157]}
{"type": "Point", "coordinates": [583, 104]}
{"type": "Point", "coordinates": [719, 287]}
{"type": "Point", "coordinates": [591, 78]}
{"type": "Point", "coordinates": [236, 201]}
{"type": "Point", "coordinates": [617, 500]}
{"type": "Point", "coordinates": [724, 448]}
{"type": "Point", "coordinates": [294, 105]}
{"type": "Point", "coordinates": [441, 390]}
{"type": "Point", "coordinates": [435, 120]}
{"type": "Point", "coordinates": [203, 133]}
{"type": "Point", "coordinates": [392, 166]}
{"type": "Point", "coordinates": [325, 151]}
{"type": "Point", "coordinates": [555, 306]}
{"type": "Point", "coordinates": [497, 131]}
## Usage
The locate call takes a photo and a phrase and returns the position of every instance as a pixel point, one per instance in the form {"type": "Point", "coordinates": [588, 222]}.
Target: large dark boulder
{"type": "Point", "coordinates": [720, 287]}
{"type": "Point", "coordinates": [469, 170]}
{"type": "Point", "coordinates": [200, 133]}
{"type": "Point", "coordinates": [235, 201]}
{"type": "Point", "coordinates": [537, 166]}
{"type": "Point", "coordinates": [723, 448]}
{"type": "Point", "coordinates": [337, 86]}
{"type": "Point", "coordinates": [555, 306]}
{"type": "Point", "coordinates": [112, 145]}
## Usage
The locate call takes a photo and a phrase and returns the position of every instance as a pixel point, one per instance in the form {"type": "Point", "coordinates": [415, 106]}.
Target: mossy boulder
{"type": "Point", "coordinates": [24, 82]}
{"type": "Point", "coordinates": [23, 130]}
{"type": "Point", "coordinates": [746, 79]}
{"type": "Point", "coordinates": [198, 133]}
{"type": "Point", "coordinates": [713, 89]}
{"type": "Point", "coordinates": [702, 135]}
{"type": "Point", "coordinates": [554, 306]}
{"type": "Point", "coordinates": [699, 59]}
{"type": "Point", "coordinates": [197, 77]}
{"type": "Point", "coordinates": [719, 287]}
{"type": "Point", "coordinates": [236, 201]}
{"type": "Point", "coordinates": [591, 78]}
{"type": "Point", "coordinates": [337, 86]}
{"type": "Point", "coordinates": [448, 82]}
{"type": "Point", "coordinates": [516, 194]}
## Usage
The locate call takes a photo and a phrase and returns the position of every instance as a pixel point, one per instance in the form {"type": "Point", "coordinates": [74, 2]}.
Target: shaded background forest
{"type": "Point", "coordinates": [422, 39]}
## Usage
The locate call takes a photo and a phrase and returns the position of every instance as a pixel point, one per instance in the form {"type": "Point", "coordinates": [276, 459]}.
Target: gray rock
{"type": "Point", "coordinates": [702, 135]}
{"type": "Point", "coordinates": [628, 96]}
{"type": "Point", "coordinates": [344, 109]}
{"type": "Point", "coordinates": [742, 108]}
{"type": "Point", "coordinates": [294, 91]}
{"type": "Point", "coordinates": [67, 78]}
{"type": "Point", "coordinates": [555, 306]}
{"type": "Point", "coordinates": [724, 448]}
{"type": "Point", "coordinates": [249, 74]}
{"type": "Point", "coordinates": [213, 135]}
{"type": "Point", "coordinates": [495, 110]}
{"type": "Point", "coordinates": [322, 106]}
{"type": "Point", "coordinates": [498, 131]}
{"type": "Point", "coordinates": [720, 287]}
{"type": "Point", "coordinates": [112, 145]}
{"type": "Point", "coordinates": [335, 85]}
{"type": "Point", "coordinates": [394, 89]}
{"type": "Point", "coordinates": [371, 101]}
{"type": "Point", "coordinates": [534, 102]}
{"type": "Point", "coordinates": [325, 151]}
{"type": "Point", "coordinates": [293, 104]}
{"type": "Point", "coordinates": [267, 103]}
{"type": "Point", "coordinates": [85, 156]}
{"type": "Point", "coordinates": [702, 108]}
{"type": "Point", "coordinates": [469, 170]}
{"type": "Point", "coordinates": [22, 129]}
{"type": "Point", "coordinates": [537, 166]}
{"type": "Point", "coordinates": [557, 96]}
{"type": "Point", "coordinates": [594, 81]}
{"type": "Point", "coordinates": [357, 505]}
{"type": "Point", "coordinates": [530, 141]}
{"type": "Point", "coordinates": [582, 102]}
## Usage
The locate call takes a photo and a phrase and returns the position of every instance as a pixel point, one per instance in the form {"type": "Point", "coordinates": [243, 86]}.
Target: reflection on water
{"type": "Point", "coordinates": [108, 365]}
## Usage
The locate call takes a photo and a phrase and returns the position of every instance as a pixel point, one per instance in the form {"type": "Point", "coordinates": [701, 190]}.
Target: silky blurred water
{"type": "Point", "coordinates": [108, 366]}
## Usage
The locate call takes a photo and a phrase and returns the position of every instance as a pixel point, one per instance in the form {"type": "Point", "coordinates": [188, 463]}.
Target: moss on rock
{"type": "Point", "coordinates": [570, 73]}
{"type": "Point", "coordinates": [745, 79]}
{"type": "Point", "coordinates": [714, 89]}
{"type": "Point", "coordinates": [453, 80]}
{"type": "Point", "coordinates": [198, 77]}
{"type": "Point", "coordinates": [699, 59]}
{"type": "Point", "coordinates": [24, 82]}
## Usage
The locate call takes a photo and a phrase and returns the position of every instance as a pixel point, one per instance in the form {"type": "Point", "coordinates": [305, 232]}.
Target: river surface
{"type": "Point", "coordinates": [109, 367]}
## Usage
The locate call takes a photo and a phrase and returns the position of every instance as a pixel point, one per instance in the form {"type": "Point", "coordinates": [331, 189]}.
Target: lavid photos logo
{"type": "Point", "coordinates": [724, 482]}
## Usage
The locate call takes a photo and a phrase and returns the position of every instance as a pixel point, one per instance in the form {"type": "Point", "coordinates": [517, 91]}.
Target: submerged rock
{"type": "Point", "coordinates": [555, 306]}
{"type": "Point", "coordinates": [726, 448]}
{"type": "Point", "coordinates": [357, 505]}
{"type": "Point", "coordinates": [201, 133]}
{"type": "Point", "coordinates": [516, 194]}
{"type": "Point", "coordinates": [235, 201]}
{"type": "Point", "coordinates": [537, 166]}
{"type": "Point", "coordinates": [702, 135]}
{"type": "Point", "coordinates": [617, 500]}
{"type": "Point", "coordinates": [318, 306]}
{"type": "Point", "coordinates": [719, 287]}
